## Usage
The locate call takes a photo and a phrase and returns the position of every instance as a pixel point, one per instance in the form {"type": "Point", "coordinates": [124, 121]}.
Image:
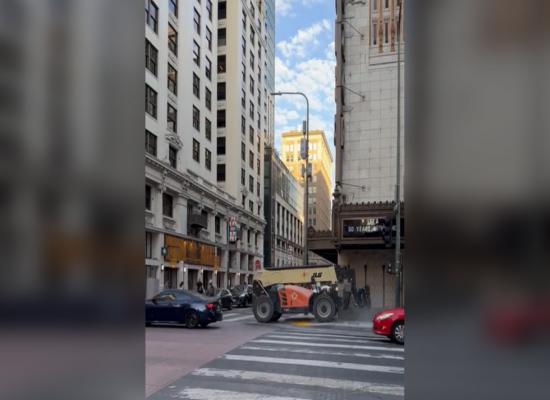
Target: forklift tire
{"type": "Point", "coordinates": [324, 308]}
{"type": "Point", "coordinates": [276, 316]}
{"type": "Point", "coordinates": [263, 308]}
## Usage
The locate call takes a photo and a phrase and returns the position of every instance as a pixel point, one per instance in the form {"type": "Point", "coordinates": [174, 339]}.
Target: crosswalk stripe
{"type": "Point", "coordinates": [327, 335]}
{"type": "Point", "coordinates": [330, 353]}
{"type": "Point", "coordinates": [329, 383]}
{"type": "Point", "coordinates": [325, 339]}
{"type": "Point", "coordinates": [334, 345]}
{"type": "Point", "coordinates": [315, 363]}
{"type": "Point", "coordinates": [209, 394]}
{"type": "Point", "coordinates": [238, 318]}
{"type": "Point", "coordinates": [321, 333]}
{"type": "Point", "coordinates": [230, 314]}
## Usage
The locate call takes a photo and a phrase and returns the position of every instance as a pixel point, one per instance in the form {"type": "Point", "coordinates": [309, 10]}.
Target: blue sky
{"type": "Point", "coordinates": [305, 62]}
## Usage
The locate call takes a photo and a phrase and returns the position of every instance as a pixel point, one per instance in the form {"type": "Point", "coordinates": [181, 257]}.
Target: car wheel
{"type": "Point", "coordinates": [398, 332]}
{"type": "Point", "coordinates": [229, 307]}
{"type": "Point", "coordinates": [204, 325]}
{"type": "Point", "coordinates": [192, 320]}
{"type": "Point", "coordinates": [324, 308]}
{"type": "Point", "coordinates": [263, 309]}
{"type": "Point", "coordinates": [147, 324]}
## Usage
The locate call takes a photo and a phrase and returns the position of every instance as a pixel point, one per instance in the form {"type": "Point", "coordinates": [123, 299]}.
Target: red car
{"type": "Point", "coordinates": [390, 323]}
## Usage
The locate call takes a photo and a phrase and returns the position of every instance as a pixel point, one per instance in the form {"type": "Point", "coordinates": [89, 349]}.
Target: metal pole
{"type": "Point", "coordinates": [398, 172]}
{"type": "Point", "coordinates": [228, 256]}
{"type": "Point", "coordinates": [306, 177]}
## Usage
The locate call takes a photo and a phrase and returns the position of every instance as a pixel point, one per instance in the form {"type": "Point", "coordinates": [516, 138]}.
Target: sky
{"type": "Point", "coordinates": [304, 61]}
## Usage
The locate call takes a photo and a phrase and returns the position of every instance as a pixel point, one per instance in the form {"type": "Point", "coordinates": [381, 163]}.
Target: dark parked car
{"type": "Point", "coordinates": [225, 298]}
{"type": "Point", "coordinates": [179, 306]}
{"type": "Point", "coordinates": [242, 295]}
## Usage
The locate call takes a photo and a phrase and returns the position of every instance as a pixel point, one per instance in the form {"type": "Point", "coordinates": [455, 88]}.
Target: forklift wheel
{"type": "Point", "coordinates": [263, 309]}
{"type": "Point", "coordinates": [324, 308]}
{"type": "Point", "coordinates": [276, 316]}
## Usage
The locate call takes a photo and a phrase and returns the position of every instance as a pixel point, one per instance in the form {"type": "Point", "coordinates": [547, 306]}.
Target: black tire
{"type": "Point", "coordinates": [398, 332]}
{"type": "Point", "coordinates": [147, 324]}
{"type": "Point", "coordinates": [324, 308]}
{"type": "Point", "coordinates": [276, 316]}
{"type": "Point", "coordinates": [204, 325]}
{"type": "Point", "coordinates": [192, 320]}
{"type": "Point", "coordinates": [263, 308]}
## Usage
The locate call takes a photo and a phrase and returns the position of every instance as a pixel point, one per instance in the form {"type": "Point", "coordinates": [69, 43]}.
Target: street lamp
{"type": "Point", "coordinates": [398, 170]}
{"type": "Point", "coordinates": [306, 178]}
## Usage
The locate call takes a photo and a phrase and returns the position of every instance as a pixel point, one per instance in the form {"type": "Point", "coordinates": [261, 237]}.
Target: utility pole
{"type": "Point", "coordinates": [397, 264]}
{"type": "Point", "coordinates": [306, 174]}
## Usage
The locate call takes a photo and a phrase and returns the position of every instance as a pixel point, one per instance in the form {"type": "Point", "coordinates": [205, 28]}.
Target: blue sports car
{"type": "Point", "coordinates": [177, 306]}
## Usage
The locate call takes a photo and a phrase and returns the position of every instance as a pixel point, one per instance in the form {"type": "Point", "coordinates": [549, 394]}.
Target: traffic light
{"type": "Point", "coordinates": [387, 231]}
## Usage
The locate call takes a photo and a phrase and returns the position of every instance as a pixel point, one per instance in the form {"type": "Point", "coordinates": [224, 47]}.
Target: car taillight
{"type": "Point", "coordinates": [211, 306]}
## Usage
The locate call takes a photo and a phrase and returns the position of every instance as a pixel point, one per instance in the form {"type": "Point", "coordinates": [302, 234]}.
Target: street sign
{"type": "Point", "coordinates": [303, 150]}
{"type": "Point", "coordinates": [233, 230]}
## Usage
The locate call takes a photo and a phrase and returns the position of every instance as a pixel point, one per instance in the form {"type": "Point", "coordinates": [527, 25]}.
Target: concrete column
{"type": "Point", "coordinates": [180, 275]}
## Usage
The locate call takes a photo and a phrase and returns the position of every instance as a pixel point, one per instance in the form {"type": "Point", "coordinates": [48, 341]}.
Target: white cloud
{"type": "Point", "coordinates": [303, 40]}
{"type": "Point", "coordinates": [284, 116]}
{"type": "Point", "coordinates": [283, 7]}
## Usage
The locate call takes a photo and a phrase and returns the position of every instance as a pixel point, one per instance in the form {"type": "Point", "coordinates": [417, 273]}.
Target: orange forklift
{"type": "Point", "coordinates": [318, 290]}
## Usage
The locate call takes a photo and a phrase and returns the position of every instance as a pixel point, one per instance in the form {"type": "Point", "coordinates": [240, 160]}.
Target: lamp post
{"type": "Point", "coordinates": [306, 178]}
{"type": "Point", "coordinates": [398, 171]}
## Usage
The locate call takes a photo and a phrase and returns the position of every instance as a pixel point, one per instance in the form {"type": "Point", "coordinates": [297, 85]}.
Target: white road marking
{"type": "Point", "coordinates": [325, 339]}
{"type": "Point", "coordinates": [329, 383]}
{"type": "Point", "coordinates": [316, 363]}
{"type": "Point", "coordinates": [238, 318]}
{"type": "Point", "coordinates": [230, 314]}
{"type": "Point", "coordinates": [317, 352]}
{"type": "Point", "coordinates": [343, 323]}
{"type": "Point", "coordinates": [320, 333]}
{"type": "Point", "coordinates": [334, 345]}
{"type": "Point", "coordinates": [209, 394]}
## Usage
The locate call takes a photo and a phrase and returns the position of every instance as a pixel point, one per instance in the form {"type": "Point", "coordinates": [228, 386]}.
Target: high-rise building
{"type": "Point", "coordinates": [320, 185]}
{"type": "Point", "coordinates": [192, 211]}
{"type": "Point", "coordinates": [284, 204]}
{"type": "Point", "coordinates": [366, 141]}
{"type": "Point", "coordinates": [245, 109]}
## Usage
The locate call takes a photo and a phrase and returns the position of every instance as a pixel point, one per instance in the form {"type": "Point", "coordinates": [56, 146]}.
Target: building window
{"type": "Point", "coordinates": [208, 98]}
{"type": "Point", "coordinates": [258, 166]}
{"type": "Point", "coordinates": [209, 38]}
{"type": "Point", "coordinates": [386, 32]}
{"type": "Point", "coordinates": [148, 245]}
{"type": "Point", "coordinates": [243, 200]}
{"type": "Point", "coordinates": [222, 10]}
{"type": "Point", "coordinates": [173, 156]}
{"type": "Point", "coordinates": [243, 72]}
{"type": "Point", "coordinates": [251, 135]}
{"type": "Point", "coordinates": [217, 225]}
{"type": "Point", "coordinates": [208, 129]}
{"type": "Point", "coordinates": [196, 150]}
{"type": "Point", "coordinates": [221, 64]}
{"type": "Point", "coordinates": [208, 69]}
{"type": "Point", "coordinates": [151, 57]}
{"type": "Point", "coordinates": [208, 159]}
{"type": "Point", "coordinates": [251, 184]}
{"type": "Point", "coordinates": [222, 39]}
{"type": "Point", "coordinates": [252, 37]}
{"type": "Point", "coordinates": [196, 53]}
{"type": "Point", "coordinates": [243, 125]}
{"type": "Point", "coordinates": [196, 118]}
{"type": "Point", "coordinates": [258, 189]}
{"type": "Point", "coordinates": [196, 86]}
{"type": "Point", "coordinates": [150, 101]}
{"type": "Point", "coordinates": [172, 40]}
{"type": "Point", "coordinates": [251, 110]}
{"type": "Point", "coordinates": [251, 159]}
{"type": "Point", "coordinates": [243, 152]}
{"type": "Point", "coordinates": [258, 145]}
{"type": "Point", "coordinates": [221, 118]}
{"type": "Point", "coordinates": [243, 46]}
{"type": "Point", "coordinates": [251, 59]}
{"type": "Point", "coordinates": [197, 21]}
{"type": "Point", "coordinates": [172, 79]}
{"type": "Point", "coordinates": [148, 197]}
{"type": "Point", "coordinates": [172, 118]}
{"type": "Point", "coordinates": [251, 86]}
{"type": "Point", "coordinates": [243, 98]}
{"type": "Point", "coordinates": [151, 15]}
{"type": "Point", "coordinates": [167, 205]}
{"type": "Point", "coordinates": [374, 32]}
{"type": "Point", "coordinates": [221, 91]}
{"type": "Point", "coordinates": [209, 9]}
{"type": "Point", "coordinates": [173, 6]}
{"type": "Point", "coordinates": [150, 143]}
{"type": "Point", "coordinates": [221, 173]}
{"type": "Point", "coordinates": [221, 145]}
{"type": "Point", "coordinates": [259, 121]}
{"type": "Point", "coordinates": [251, 209]}
{"type": "Point", "coordinates": [243, 177]}
{"type": "Point", "coordinates": [244, 21]}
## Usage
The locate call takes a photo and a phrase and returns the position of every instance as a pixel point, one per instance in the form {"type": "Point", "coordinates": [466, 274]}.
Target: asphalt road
{"type": "Point", "coordinates": [293, 359]}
